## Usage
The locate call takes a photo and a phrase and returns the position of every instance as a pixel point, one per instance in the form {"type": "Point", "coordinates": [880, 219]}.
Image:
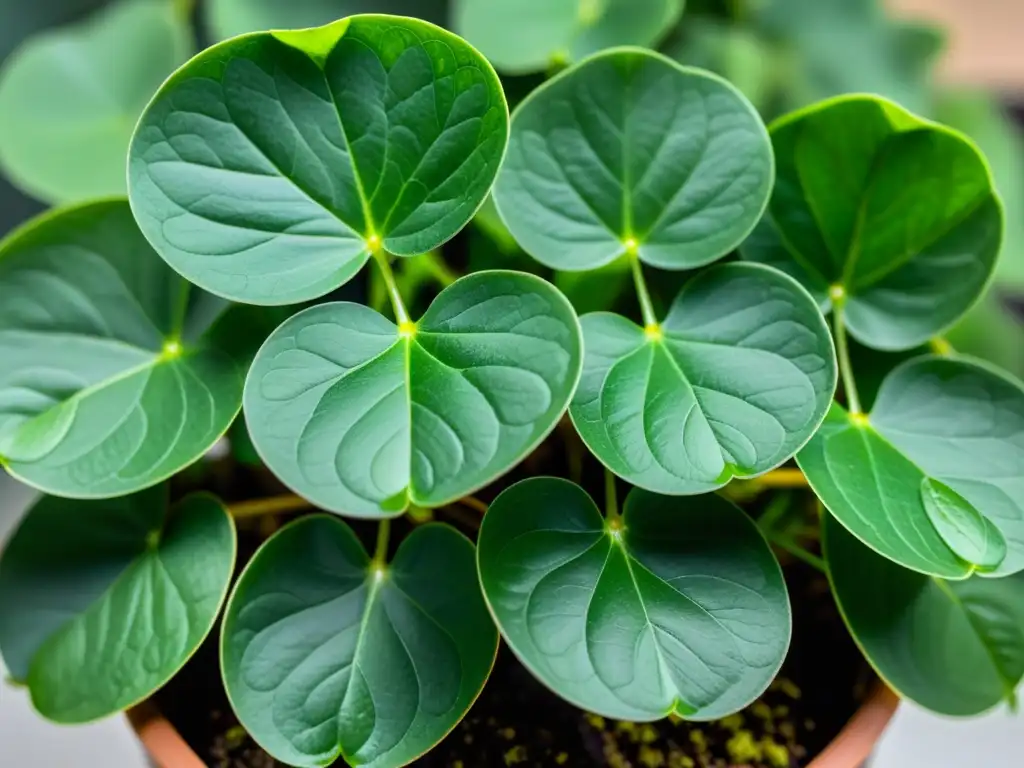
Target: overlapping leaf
{"type": "Point", "coordinates": [680, 609]}
{"type": "Point", "coordinates": [268, 167]}
{"type": "Point", "coordinates": [102, 602]}
{"type": "Point", "coordinates": [364, 417]}
{"type": "Point", "coordinates": [326, 654]}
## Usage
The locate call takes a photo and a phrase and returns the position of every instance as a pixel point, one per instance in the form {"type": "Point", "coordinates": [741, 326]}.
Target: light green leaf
{"type": "Point", "coordinates": [236, 17]}
{"type": "Point", "coordinates": [628, 152]}
{"type": "Point", "coordinates": [679, 607]}
{"type": "Point", "coordinates": [267, 168]}
{"type": "Point", "coordinates": [70, 97]}
{"type": "Point", "coordinates": [522, 36]}
{"type": "Point", "coordinates": [897, 214]}
{"type": "Point", "coordinates": [102, 602]}
{"type": "Point", "coordinates": [954, 647]}
{"type": "Point", "coordinates": [364, 418]}
{"type": "Point", "coordinates": [940, 423]}
{"type": "Point", "coordinates": [116, 372]}
{"type": "Point", "coordinates": [733, 383]}
{"type": "Point", "coordinates": [327, 654]}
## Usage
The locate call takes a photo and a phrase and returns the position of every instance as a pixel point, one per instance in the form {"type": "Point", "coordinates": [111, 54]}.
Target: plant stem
{"type": "Point", "coordinates": [790, 546]}
{"type": "Point", "coordinates": [611, 499]}
{"type": "Point", "coordinates": [473, 503]}
{"type": "Point", "coordinates": [774, 511]}
{"type": "Point", "coordinates": [381, 257]}
{"type": "Point", "coordinates": [646, 307]}
{"type": "Point", "coordinates": [843, 354]}
{"type": "Point", "coordinates": [941, 346]}
{"type": "Point", "coordinates": [439, 269]}
{"type": "Point", "coordinates": [380, 555]}
{"type": "Point", "coordinates": [787, 477]}
{"type": "Point", "coordinates": [274, 505]}
{"type": "Point", "coordinates": [184, 8]}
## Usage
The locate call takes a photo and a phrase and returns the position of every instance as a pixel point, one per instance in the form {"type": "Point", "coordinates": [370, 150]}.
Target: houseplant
{"type": "Point", "coordinates": [269, 169]}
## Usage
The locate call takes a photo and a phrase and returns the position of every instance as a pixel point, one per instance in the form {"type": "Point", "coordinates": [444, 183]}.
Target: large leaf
{"type": "Point", "coordinates": [897, 214]}
{"type": "Point", "coordinates": [102, 602]}
{"type": "Point", "coordinates": [735, 380]}
{"type": "Point", "coordinates": [934, 477]}
{"type": "Point", "coordinates": [268, 167]}
{"type": "Point", "coordinates": [521, 36]}
{"type": "Point", "coordinates": [235, 17]}
{"type": "Point", "coordinates": [327, 653]}
{"type": "Point", "coordinates": [116, 372]}
{"type": "Point", "coordinates": [69, 98]}
{"type": "Point", "coordinates": [630, 152]}
{"type": "Point", "coordinates": [954, 647]}
{"type": "Point", "coordinates": [363, 417]}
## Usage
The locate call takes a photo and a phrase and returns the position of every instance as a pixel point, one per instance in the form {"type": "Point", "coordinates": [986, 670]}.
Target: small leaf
{"type": "Point", "coordinates": [630, 152]}
{"type": "Point", "coordinates": [680, 608]}
{"type": "Point", "coordinates": [70, 98]}
{"type": "Point", "coordinates": [733, 383]}
{"type": "Point", "coordinates": [897, 213]}
{"type": "Point", "coordinates": [364, 418]}
{"type": "Point", "coordinates": [952, 426]}
{"type": "Point", "coordinates": [267, 168]}
{"type": "Point", "coordinates": [102, 602]}
{"type": "Point", "coordinates": [327, 655]}
{"type": "Point", "coordinates": [954, 647]}
{"type": "Point", "coordinates": [117, 373]}
{"type": "Point", "coordinates": [523, 36]}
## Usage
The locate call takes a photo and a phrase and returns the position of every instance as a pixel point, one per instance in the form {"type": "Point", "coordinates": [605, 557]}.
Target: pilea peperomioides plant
{"type": "Point", "coordinates": [271, 168]}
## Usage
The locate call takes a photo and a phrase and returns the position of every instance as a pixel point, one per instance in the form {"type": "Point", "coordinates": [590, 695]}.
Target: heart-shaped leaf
{"type": "Point", "coordinates": [954, 647]}
{"type": "Point", "coordinates": [934, 478]}
{"type": "Point", "coordinates": [102, 602]}
{"type": "Point", "coordinates": [328, 654]}
{"type": "Point", "coordinates": [733, 383]}
{"type": "Point", "coordinates": [116, 373]}
{"type": "Point", "coordinates": [895, 215]}
{"type": "Point", "coordinates": [628, 152]}
{"type": "Point", "coordinates": [70, 98]}
{"type": "Point", "coordinates": [267, 168]}
{"type": "Point", "coordinates": [363, 417]}
{"type": "Point", "coordinates": [521, 36]}
{"type": "Point", "coordinates": [236, 17]}
{"type": "Point", "coordinates": [678, 607]}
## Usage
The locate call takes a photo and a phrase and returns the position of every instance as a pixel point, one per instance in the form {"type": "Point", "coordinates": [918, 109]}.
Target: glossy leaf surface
{"type": "Point", "coordinates": [735, 381]}
{"type": "Point", "coordinates": [266, 168]}
{"type": "Point", "coordinates": [363, 417]}
{"type": "Point", "coordinates": [324, 658]}
{"type": "Point", "coordinates": [630, 148]}
{"type": "Point", "coordinates": [70, 97]}
{"type": "Point", "coordinates": [935, 467]}
{"type": "Point", "coordinates": [102, 602]}
{"type": "Point", "coordinates": [116, 372]}
{"type": "Point", "coordinates": [954, 647]}
{"type": "Point", "coordinates": [683, 609]}
{"type": "Point", "coordinates": [520, 36]}
{"type": "Point", "coordinates": [899, 212]}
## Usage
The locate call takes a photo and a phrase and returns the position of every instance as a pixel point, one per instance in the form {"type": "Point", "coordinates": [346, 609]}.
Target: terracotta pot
{"type": "Point", "coordinates": [849, 749]}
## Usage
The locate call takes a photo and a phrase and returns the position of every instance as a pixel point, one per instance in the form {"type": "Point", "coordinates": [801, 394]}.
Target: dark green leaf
{"type": "Point", "coordinates": [680, 608]}
{"type": "Point", "coordinates": [327, 654]}
{"type": "Point", "coordinates": [363, 417]}
{"type": "Point", "coordinates": [733, 383]}
{"type": "Point", "coordinates": [102, 602]}
{"type": "Point", "coordinates": [116, 372]}
{"type": "Point", "coordinates": [267, 168]}
{"type": "Point", "coordinates": [954, 647]}
{"type": "Point", "coordinates": [630, 152]}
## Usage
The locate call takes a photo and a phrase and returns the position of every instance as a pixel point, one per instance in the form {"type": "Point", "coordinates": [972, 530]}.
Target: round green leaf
{"type": "Point", "coordinates": [680, 608]}
{"type": "Point", "coordinates": [229, 18]}
{"type": "Point", "coordinates": [326, 654]}
{"type": "Point", "coordinates": [521, 36]}
{"type": "Point", "coordinates": [954, 647]}
{"type": "Point", "coordinates": [363, 417]}
{"type": "Point", "coordinates": [630, 152]}
{"type": "Point", "coordinates": [116, 372]}
{"type": "Point", "coordinates": [102, 602]}
{"type": "Point", "coordinates": [933, 479]}
{"type": "Point", "coordinates": [898, 212]}
{"type": "Point", "coordinates": [70, 97]}
{"type": "Point", "coordinates": [267, 167]}
{"type": "Point", "coordinates": [733, 383]}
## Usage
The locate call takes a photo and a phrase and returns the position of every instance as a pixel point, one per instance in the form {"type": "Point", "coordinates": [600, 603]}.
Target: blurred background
{"type": "Point", "coordinates": [76, 74]}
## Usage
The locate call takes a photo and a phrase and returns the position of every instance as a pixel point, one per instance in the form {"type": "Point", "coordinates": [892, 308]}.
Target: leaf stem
{"type": "Point", "coordinates": [380, 555]}
{"type": "Point", "coordinates": [940, 346]}
{"type": "Point", "coordinates": [787, 477]}
{"type": "Point", "coordinates": [273, 505]}
{"type": "Point", "coordinates": [788, 545]}
{"type": "Point", "coordinates": [473, 503]}
{"type": "Point", "coordinates": [381, 257]}
{"type": "Point", "coordinates": [843, 354]}
{"type": "Point", "coordinates": [611, 499]}
{"type": "Point", "coordinates": [439, 269]}
{"type": "Point", "coordinates": [644, 296]}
